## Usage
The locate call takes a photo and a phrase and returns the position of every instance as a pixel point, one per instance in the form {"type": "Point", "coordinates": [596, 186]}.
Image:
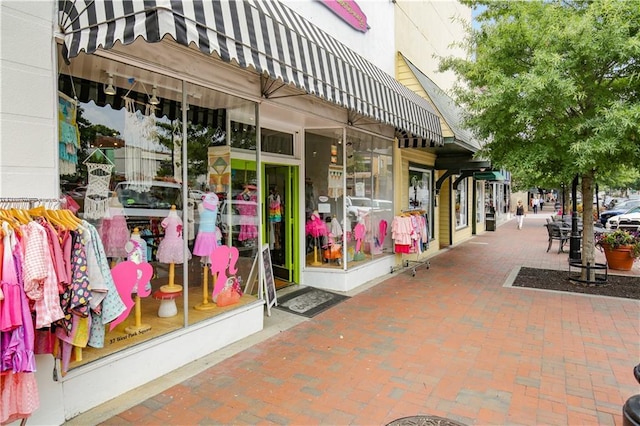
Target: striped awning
{"type": "Point", "coordinates": [262, 34]}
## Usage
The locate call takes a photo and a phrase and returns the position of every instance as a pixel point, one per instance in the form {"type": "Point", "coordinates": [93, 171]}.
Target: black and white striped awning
{"type": "Point", "coordinates": [262, 34]}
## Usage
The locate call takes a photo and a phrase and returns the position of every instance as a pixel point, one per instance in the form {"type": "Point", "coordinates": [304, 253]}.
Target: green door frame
{"type": "Point", "coordinates": [290, 217]}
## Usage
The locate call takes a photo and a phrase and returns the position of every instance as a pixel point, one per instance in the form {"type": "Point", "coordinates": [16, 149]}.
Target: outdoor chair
{"type": "Point", "coordinates": [559, 232]}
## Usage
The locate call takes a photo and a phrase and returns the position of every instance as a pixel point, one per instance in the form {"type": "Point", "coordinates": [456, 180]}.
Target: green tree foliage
{"type": "Point", "coordinates": [554, 87]}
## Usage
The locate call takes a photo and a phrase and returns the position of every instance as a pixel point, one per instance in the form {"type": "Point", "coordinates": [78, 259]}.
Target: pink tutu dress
{"type": "Point", "coordinates": [170, 248]}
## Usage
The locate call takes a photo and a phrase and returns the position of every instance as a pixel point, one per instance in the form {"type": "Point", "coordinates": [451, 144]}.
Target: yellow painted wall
{"type": "Point", "coordinates": [420, 157]}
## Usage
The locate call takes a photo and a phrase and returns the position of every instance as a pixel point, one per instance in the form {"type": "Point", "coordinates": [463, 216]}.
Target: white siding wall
{"type": "Point", "coordinates": [376, 45]}
{"type": "Point", "coordinates": [28, 129]}
{"type": "Point", "coordinates": [426, 28]}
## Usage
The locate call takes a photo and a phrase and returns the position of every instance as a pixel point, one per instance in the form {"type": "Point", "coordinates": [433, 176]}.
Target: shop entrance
{"type": "Point", "coordinates": [280, 220]}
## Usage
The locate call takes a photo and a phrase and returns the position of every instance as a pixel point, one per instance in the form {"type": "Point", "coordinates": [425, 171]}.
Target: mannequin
{"type": "Point", "coordinates": [359, 232]}
{"type": "Point", "coordinates": [136, 249]}
{"type": "Point", "coordinates": [316, 228]}
{"type": "Point", "coordinates": [170, 249]}
{"type": "Point", "coordinates": [275, 216]}
{"type": "Point", "coordinates": [206, 242]}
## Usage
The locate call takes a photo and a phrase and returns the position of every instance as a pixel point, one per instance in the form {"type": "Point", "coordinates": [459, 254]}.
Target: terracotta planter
{"type": "Point", "coordinates": [619, 258]}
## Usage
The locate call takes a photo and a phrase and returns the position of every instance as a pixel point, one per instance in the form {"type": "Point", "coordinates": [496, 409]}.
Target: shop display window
{"type": "Point", "coordinates": [480, 202]}
{"type": "Point", "coordinates": [461, 204]}
{"type": "Point", "coordinates": [122, 172]}
{"type": "Point", "coordinates": [352, 197]}
{"type": "Point", "coordinates": [421, 192]}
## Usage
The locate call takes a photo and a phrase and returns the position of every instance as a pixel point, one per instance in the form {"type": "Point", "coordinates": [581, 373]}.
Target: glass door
{"type": "Point", "coordinates": [280, 189]}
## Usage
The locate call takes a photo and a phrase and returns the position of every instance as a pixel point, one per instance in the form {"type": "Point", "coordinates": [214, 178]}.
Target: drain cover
{"type": "Point", "coordinates": [424, 421]}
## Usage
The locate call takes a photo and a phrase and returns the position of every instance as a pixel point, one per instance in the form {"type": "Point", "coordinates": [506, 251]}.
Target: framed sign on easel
{"type": "Point", "coordinates": [250, 284]}
{"type": "Point", "coordinates": [268, 280]}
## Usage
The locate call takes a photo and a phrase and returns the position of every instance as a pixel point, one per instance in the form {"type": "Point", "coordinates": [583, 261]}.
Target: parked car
{"type": "Point", "coordinates": [619, 209]}
{"type": "Point", "coordinates": [359, 206]}
{"type": "Point", "coordinates": [195, 194]}
{"type": "Point", "coordinates": [142, 202]}
{"type": "Point", "coordinates": [630, 220]}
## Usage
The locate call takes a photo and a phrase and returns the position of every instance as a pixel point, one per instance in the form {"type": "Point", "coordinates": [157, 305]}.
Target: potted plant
{"type": "Point", "coordinates": [621, 248]}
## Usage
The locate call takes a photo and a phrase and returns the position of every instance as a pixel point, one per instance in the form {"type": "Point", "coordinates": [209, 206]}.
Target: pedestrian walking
{"type": "Point", "coordinates": [520, 214]}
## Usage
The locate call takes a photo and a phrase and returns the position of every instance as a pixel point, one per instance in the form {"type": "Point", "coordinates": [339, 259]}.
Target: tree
{"type": "Point", "coordinates": [554, 87]}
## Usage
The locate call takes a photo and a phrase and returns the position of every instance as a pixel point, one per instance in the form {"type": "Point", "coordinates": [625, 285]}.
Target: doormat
{"type": "Point", "coordinates": [309, 301]}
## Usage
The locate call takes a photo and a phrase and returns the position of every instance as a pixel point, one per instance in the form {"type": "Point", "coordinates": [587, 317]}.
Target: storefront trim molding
{"type": "Point", "coordinates": [344, 281]}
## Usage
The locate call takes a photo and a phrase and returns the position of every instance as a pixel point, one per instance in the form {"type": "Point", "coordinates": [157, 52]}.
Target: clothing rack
{"type": "Point", "coordinates": [408, 264]}
{"type": "Point", "coordinates": [28, 203]}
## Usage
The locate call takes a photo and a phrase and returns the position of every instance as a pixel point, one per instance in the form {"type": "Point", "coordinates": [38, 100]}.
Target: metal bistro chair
{"type": "Point", "coordinates": [559, 232]}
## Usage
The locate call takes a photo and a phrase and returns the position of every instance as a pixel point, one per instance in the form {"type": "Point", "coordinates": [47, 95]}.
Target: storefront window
{"type": "Point", "coordinates": [276, 142]}
{"type": "Point", "coordinates": [420, 193]}
{"type": "Point", "coordinates": [479, 201]}
{"type": "Point", "coordinates": [369, 199]}
{"type": "Point", "coordinates": [461, 204]}
{"type": "Point", "coordinates": [324, 198]}
{"type": "Point", "coordinates": [121, 170]}
{"type": "Point", "coordinates": [349, 224]}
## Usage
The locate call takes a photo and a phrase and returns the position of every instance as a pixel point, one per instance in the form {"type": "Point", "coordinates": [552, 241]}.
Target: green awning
{"type": "Point", "coordinates": [491, 175]}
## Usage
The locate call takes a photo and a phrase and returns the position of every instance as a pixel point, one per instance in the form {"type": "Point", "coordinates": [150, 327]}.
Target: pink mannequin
{"type": "Point", "coordinates": [223, 257]}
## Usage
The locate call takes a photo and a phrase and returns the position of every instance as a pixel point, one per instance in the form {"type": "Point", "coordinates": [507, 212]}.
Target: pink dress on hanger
{"type": "Point", "coordinates": [248, 209]}
{"type": "Point", "coordinates": [170, 248]}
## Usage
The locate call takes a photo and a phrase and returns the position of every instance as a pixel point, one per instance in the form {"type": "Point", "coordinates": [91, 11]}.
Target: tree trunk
{"type": "Point", "coordinates": [588, 243]}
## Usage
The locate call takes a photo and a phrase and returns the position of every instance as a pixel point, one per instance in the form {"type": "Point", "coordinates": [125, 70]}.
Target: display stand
{"type": "Point", "coordinates": [412, 265]}
{"type": "Point", "coordinates": [172, 287]}
{"type": "Point", "coordinates": [205, 305]}
{"type": "Point", "coordinates": [315, 262]}
{"type": "Point", "coordinates": [138, 327]}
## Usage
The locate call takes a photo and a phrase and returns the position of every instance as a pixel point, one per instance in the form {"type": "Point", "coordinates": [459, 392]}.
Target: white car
{"type": "Point", "coordinates": [630, 220]}
{"type": "Point", "coordinates": [143, 201]}
{"type": "Point", "coordinates": [197, 195]}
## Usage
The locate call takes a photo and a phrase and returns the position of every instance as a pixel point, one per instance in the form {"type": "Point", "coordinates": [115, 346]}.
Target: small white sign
{"type": "Point", "coordinates": [324, 208]}
{"type": "Point", "coordinates": [323, 198]}
{"type": "Point", "coordinates": [359, 189]}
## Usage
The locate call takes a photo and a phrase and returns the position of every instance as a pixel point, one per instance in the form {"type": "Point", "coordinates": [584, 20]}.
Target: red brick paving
{"type": "Point", "coordinates": [451, 341]}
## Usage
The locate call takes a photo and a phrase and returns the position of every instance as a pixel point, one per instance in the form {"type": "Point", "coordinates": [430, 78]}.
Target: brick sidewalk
{"type": "Point", "coordinates": [452, 341]}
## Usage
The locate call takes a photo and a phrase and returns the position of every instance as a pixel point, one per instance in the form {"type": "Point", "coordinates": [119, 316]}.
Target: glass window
{"type": "Point", "coordinates": [480, 201]}
{"type": "Point", "coordinates": [276, 142]}
{"type": "Point", "coordinates": [421, 193]}
{"type": "Point", "coordinates": [369, 196]}
{"type": "Point", "coordinates": [461, 204]}
{"type": "Point", "coordinates": [121, 169]}
{"type": "Point", "coordinates": [324, 198]}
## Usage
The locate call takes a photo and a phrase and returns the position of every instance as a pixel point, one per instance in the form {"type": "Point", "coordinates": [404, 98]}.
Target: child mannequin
{"type": "Point", "coordinates": [207, 240]}
{"type": "Point", "coordinates": [170, 248]}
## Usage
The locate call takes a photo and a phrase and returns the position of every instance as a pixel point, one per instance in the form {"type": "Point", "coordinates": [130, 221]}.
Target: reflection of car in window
{"type": "Point", "coordinates": [360, 206]}
{"type": "Point", "coordinates": [142, 204]}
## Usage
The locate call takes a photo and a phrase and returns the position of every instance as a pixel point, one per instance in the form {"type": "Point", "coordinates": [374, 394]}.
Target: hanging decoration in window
{"type": "Point", "coordinates": [141, 144]}
{"type": "Point", "coordinates": [68, 134]}
{"type": "Point", "coordinates": [96, 200]}
{"type": "Point", "coordinates": [336, 187]}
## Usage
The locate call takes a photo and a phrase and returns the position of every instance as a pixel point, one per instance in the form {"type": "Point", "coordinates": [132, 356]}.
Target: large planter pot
{"type": "Point", "coordinates": [618, 258]}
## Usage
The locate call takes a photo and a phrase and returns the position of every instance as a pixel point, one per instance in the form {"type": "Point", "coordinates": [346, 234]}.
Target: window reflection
{"type": "Point", "coordinates": [121, 168]}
